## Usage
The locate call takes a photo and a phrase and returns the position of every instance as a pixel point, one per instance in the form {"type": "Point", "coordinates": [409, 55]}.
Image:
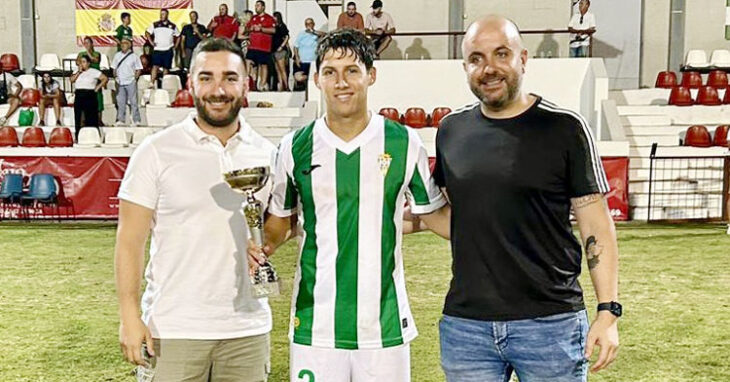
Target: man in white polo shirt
{"type": "Point", "coordinates": [581, 26]}
{"type": "Point", "coordinates": [198, 320]}
{"type": "Point", "coordinates": [127, 68]}
{"type": "Point", "coordinates": [163, 35]}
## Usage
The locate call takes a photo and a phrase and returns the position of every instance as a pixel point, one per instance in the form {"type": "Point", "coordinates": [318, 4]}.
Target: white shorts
{"type": "Point", "coordinates": [313, 364]}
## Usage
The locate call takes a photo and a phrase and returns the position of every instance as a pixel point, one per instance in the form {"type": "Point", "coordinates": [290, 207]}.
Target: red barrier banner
{"type": "Point", "coordinates": [617, 172]}
{"type": "Point", "coordinates": [88, 185]}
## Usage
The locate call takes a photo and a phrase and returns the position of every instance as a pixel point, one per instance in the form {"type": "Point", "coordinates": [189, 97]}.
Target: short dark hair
{"type": "Point", "coordinates": [125, 15]}
{"type": "Point", "coordinates": [165, 10]}
{"type": "Point", "coordinates": [217, 45]}
{"type": "Point", "coordinates": [196, 13]}
{"type": "Point", "coordinates": [352, 3]}
{"type": "Point", "coordinates": [261, 2]}
{"type": "Point", "coordinates": [89, 39]}
{"type": "Point", "coordinates": [347, 41]}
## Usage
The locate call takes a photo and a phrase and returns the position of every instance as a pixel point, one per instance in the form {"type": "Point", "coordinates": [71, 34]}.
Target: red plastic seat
{"type": "Point", "coordinates": [415, 117]}
{"type": "Point", "coordinates": [8, 137]}
{"type": "Point", "coordinates": [9, 62]}
{"type": "Point", "coordinates": [390, 113]}
{"type": "Point", "coordinates": [666, 79]}
{"type": "Point", "coordinates": [697, 136]}
{"type": "Point", "coordinates": [720, 137]}
{"type": "Point", "coordinates": [691, 80]}
{"type": "Point", "coordinates": [717, 79]}
{"type": "Point", "coordinates": [30, 97]}
{"type": "Point", "coordinates": [680, 96]}
{"type": "Point", "coordinates": [61, 137]}
{"type": "Point", "coordinates": [34, 137]}
{"type": "Point", "coordinates": [707, 95]}
{"type": "Point", "coordinates": [438, 114]}
{"type": "Point", "coordinates": [183, 98]}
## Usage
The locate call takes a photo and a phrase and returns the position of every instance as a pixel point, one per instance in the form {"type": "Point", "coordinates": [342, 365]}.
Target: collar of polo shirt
{"type": "Point", "coordinates": [200, 136]}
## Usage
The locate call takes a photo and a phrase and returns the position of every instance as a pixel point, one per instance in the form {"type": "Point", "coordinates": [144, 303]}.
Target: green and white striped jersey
{"type": "Point", "coordinates": [349, 288]}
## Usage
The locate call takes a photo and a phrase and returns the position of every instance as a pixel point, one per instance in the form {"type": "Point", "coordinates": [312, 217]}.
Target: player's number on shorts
{"type": "Point", "coordinates": [306, 373]}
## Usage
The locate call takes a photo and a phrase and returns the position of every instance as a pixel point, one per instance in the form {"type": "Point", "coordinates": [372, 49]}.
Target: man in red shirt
{"type": "Point", "coordinates": [223, 26]}
{"type": "Point", "coordinates": [262, 28]}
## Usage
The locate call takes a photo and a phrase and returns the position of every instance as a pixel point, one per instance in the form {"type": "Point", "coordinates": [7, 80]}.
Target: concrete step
{"type": "Point", "coordinates": [646, 120]}
{"type": "Point", "coordinates": [672, 213]}
{"type": "Point", "coordinates": [278, 99]}
{"type": "Point", "coordinates": [647, 141]}
{"type": "Point", "coordinates": [673, 130]}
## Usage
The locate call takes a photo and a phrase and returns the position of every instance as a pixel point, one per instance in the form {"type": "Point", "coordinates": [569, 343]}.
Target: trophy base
{"type": "Point", "coordinates": [265, 289]}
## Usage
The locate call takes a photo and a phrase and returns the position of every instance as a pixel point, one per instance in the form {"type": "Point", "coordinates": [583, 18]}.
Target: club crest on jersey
{"type": "Point", "coordinates": [384, 160]}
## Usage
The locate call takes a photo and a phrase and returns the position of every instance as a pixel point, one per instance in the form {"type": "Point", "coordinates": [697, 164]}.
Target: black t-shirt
{"type": "Point", "coordinates": [510, 182]}
{"type": "Point", "coordinates": [280, 34]}
{"type": "Point", "coordinates": [191, 39]}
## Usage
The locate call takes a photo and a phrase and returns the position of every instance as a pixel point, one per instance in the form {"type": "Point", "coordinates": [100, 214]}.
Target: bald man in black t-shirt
{"type": "Point", "coordinates": [513, 166]}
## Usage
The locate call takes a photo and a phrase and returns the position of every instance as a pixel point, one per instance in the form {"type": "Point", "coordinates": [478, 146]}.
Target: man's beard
{"type": "Point", "coordinates": [236, 104]}
{"type": "Point", "coordinates": [513, 87]}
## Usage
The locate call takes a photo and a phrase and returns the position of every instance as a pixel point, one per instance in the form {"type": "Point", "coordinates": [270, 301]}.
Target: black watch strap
{"type": "Point", "coordinates": [614, 307]}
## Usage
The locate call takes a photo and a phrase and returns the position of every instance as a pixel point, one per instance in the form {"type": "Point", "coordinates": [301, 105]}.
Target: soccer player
{"type": "Point", "coordinates": [348, 175]}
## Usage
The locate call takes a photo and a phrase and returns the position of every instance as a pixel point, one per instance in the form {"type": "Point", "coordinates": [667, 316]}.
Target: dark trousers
{"type": "Point", "coordinates": [86, 103]}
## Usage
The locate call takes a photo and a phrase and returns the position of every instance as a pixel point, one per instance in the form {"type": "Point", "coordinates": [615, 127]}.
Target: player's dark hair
{"type": "Point", "coordinates": [346, 40]}
{"type": "Point", "coordinates": [125, 15]}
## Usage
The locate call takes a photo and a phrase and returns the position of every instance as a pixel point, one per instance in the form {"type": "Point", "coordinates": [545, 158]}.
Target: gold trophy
{"type": "Point", "coordinates": [248, 181]}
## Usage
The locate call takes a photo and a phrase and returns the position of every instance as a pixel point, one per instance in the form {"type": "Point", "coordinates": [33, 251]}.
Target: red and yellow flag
{"type": "Point", "coordinates": [99, 19]}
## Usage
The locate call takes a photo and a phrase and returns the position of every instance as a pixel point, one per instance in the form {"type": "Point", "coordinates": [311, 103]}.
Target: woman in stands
{"type": "Point", "coordinates": [280, 46]}
{"type": "Point", "coordinates": [88, 82]}
{"type": "Point", "coordinates": [51, 94]}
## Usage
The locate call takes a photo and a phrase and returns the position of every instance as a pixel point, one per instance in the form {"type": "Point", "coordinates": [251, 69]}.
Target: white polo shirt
{"type": "Point", "coordinates": [164, 33]}
{"type": "Point", "coordinates": [583, 22]}
{"type": "Point", "coordinates": [197, 275]}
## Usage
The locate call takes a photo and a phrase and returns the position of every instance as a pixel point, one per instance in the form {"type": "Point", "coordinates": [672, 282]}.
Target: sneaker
{"type": "Point", "coordinates": [59, 123]}
{"type": "Point", "coordinates": [135, 124]}
{"type": "Point", "coordinates": [41, 123]}
{"type": "Point", "coordinates": [2, 121]}
{"type": "Point", "coordinates": [118, 123]}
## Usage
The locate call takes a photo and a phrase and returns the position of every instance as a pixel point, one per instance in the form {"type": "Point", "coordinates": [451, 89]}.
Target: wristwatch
{"type": "Point", "coordinates": [614, 307]}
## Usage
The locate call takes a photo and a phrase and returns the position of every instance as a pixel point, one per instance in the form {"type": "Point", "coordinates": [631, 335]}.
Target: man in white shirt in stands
{"type": "Point", "coordinates": [582, 26]}
{"type": "Point", "coordinates": [379, 26]}
{"type": "Point", "coordinates": [127, 68]}
{"type": "Point", "coordinates": [12, 87]}
{"type": "Point", "coordinates": [198, 320]}
{"type": "Point", "coordinates": [164, 36]}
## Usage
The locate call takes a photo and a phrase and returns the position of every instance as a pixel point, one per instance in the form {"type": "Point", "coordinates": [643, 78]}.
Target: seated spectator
{"type": "Point", "coordinates": [191, 36]}
{"type": "Point", "coordinates": [223, 26]}
{"type": "Point", "coordinates": [10, 88]}
{"type": "Point", "coordinates": [305, 52]}
{"type": "Point", "coordinates": [280, 46]}
{"type": "Point", "coordinates": [351, 18]}
{"type": "Point", "coordinates": [163, 35]}
{"type": "Point", "coordinates": [127, 69]}
{"type": "Point", "coordinates": [146, 58]}
{"type": "Point", "coordinates": [379, 26]}
{"type": "Point", "coordinates": [261, 31]}
{"type": "Point", "coordinates": [51, 94]}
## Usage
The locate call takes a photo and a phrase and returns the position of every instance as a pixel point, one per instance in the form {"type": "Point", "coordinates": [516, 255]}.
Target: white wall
{"type": "Point", "coordinates": [654, 40]}
{"type": "Point", "coordinates": [619, 43]}
{"type": "Point", "coordinates": [10, 27]}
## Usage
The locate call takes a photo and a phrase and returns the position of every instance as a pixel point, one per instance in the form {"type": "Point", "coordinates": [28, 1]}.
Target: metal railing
{"type": "Point", "coordinates": [683, 188]}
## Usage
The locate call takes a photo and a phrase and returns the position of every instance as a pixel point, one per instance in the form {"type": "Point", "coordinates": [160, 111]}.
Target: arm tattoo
{"type": "Point", "coordinates": [586, 200]}
{"type": "Point", "coordinates": [593, 252]}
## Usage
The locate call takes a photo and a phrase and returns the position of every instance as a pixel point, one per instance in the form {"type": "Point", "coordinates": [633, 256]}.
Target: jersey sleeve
{"type": "Point", "coordinates": [423, 195]}
{"type": "Point", "coordinates": [585, 170]}
{"type": "Point", "coordinates": [139, 184]}
{"type": "Point", "coordinates": [284, 195]}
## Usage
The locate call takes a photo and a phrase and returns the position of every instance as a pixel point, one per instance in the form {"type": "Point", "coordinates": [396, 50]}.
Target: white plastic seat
{"type": "Point", "coordinates": [88, 137]}
{"type": "Point", "coordinates": [65, 64]}
{"type": "Point", "coordinates": [697, 58]}
{"type": "Point", "coordinates": [159, 98]}
{"type": "Point", "coordinates": [48, 62]}
{"type": "Point", "coordinates": [139, 136]}
{"type": "Point", "coordinates": [720, 58]}
{"type": "Point", "coordinates": [171, 83]}
{"type": "Point", "coordinates": [104, 62]}
{"type": "Point", "coordinates": [27, 80]}
{"type": "Point", "coordinates": [115, 137]}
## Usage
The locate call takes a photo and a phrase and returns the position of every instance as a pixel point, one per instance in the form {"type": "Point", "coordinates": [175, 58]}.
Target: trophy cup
{"type": "Point", "coordinates": [264, 281]}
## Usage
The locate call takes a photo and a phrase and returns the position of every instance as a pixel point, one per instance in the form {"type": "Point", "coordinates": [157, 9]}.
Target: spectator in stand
{"type": "Point", "coordinates": [89, 82]}
{"type": "Point", "coordinates": [95, 63]}
{"type": "Point", "coordinates": [280, 44]}
{"type": "Point", "coordinates": [305, 52]}
{"type": "Point", "coordinates": [223, 26]}
{"type": "Point", "coordinates": [243, 32]}
{"type": "Point", "coordinates": [379, 25]}
{"type": "Point", "coordinates": [123, 30]}
{"type": "Point", "coordinates": [146, 58]}
{"type": "Point", "coordinates": [127, 69]}
{"type": "Point", "coordinates": [51, 95]}
{"type": "Point", "coordinates": [261, 30]}
{"type": "Point", "coordinates": [582, 26]}
{"type": "Point", "coordinates": [351, 18]}
{"type": "Point", "coordinates": [8, 82]}
{"type": "Point", "coordinates": [163, 35]}
{"type": "Point", "coordinates": [191, 36]}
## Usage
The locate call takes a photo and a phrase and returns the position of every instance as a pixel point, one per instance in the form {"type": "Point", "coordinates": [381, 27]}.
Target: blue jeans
{"type": "Point", "coordinates": [127, 93]}
{"type": "Point", "coordinates": [581, 51]}
{"type": "Point", "coordinates": [546, 349]}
